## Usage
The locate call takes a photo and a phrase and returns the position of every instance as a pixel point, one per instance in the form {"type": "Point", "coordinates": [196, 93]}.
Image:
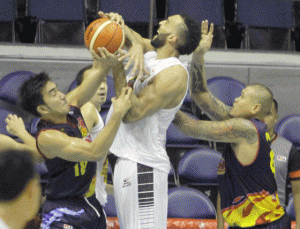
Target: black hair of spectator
{"type": "Point", "coordinates": [30, 94]}
{"type": "Point", "coordinates": [79, 77]}
{"type": "Point", "coordinates": [16, 170]}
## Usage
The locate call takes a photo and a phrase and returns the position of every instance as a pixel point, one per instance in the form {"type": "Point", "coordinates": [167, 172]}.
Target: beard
{"type": "Point", "coordinates": [159, 40]}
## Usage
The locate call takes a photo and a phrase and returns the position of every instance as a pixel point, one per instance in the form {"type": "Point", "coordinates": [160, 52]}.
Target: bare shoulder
{"type": "Point", "coordinates": [245, 129]}
{"type": "Point", "coordinates": [175, 72]}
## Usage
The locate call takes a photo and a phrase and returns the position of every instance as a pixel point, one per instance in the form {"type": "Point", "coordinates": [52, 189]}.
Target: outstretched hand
{"type": "Point", "coordinates": [206, 37]}
{"type": "Point", "coordinates": [105, 59]}
{"type": "Point", "coordinates": [15, 125]}
{"type": "Point", "coordinates": [113, 16]}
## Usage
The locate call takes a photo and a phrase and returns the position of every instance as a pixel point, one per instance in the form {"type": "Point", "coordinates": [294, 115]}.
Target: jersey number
{"type": "Point", "coordinates": [80, 168]}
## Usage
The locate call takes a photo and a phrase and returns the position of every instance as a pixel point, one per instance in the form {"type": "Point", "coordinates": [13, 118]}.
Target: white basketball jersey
{"type": "Point", "coordinates": [144, 141]}
{"type": "Point", "coordinates": [101, 194]}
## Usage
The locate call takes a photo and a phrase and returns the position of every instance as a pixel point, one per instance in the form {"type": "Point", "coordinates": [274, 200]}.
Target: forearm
{"type": "Point", "coordinates": [135, 112]}
{"type": "Point", "coordinates": [119, 80]}
{"type": "Point", "coordinates": [104, 140]}
{"type": "Point", "coordinates": [27, 138]}
{"type": "Point", "coordinates": [231, 131]}
{"type": "Point", "coordinates": [83, 93]}
{"type": "Point", "coordinates": [132, 36]}
{"type": "Point", "coordinates": [198, 78]}
{"type": "Point", "coordinates": [220, 219]}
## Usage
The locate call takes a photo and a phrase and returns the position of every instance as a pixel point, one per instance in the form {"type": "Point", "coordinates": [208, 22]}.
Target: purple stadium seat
{"type": "Point", "coordinates": [225, 88]}
{"type": "Point", "coordinates": [60, 22]}
{"type": "Point", "coordinates": [201, 10]}
{"type": "Point", "coordinates": [269, 23]}
{"type": "Point", "coordinates": [3, 114]}
{"type": "Point", "coordinates": [8, 15]}
{"type": "Point", "coordinates": [289, 128]}
{"type": "Point", "coordinates": [110, 207]}
{"type": "Point", "coordinates": [199, 167]}
{"type": "Point", "coordinates": [33, 126]}
{"type": "Point", "coordinates": [10, 85]}
{"type": "Point", "coordinates": [185, 202]}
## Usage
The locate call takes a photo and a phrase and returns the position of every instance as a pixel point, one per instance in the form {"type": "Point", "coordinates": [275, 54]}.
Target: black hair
{"type": "Point", "coordinates": [30, 96]}
{"type": "Point", "coordinates": [191, 37]}
{"type": "Point", "coordinates": [80, 74]}
{"type": "Point", "coordinates": [16, 170]}
{"type": "Point", "coordinates": [276, 105]}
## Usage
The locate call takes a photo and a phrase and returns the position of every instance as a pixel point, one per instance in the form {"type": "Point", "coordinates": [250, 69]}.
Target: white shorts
{"type": "Point", "coordinates": [141, 195]}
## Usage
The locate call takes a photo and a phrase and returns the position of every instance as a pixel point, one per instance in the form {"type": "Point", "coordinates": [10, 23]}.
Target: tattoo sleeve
{"type": "Point", "coordinates": [231, 131]}
{"type": "Point", "coordinates": [198, 82]}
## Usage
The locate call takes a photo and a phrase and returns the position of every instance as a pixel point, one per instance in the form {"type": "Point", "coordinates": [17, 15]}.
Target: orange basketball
{"type": "Point", "coordinates": [104, 33]}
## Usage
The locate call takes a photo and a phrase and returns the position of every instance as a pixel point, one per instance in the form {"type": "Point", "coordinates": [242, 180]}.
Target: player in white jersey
{"type": "Point", "coordinates": [141, 172]}
{"type": "Point", "coordinates": [94, 122]}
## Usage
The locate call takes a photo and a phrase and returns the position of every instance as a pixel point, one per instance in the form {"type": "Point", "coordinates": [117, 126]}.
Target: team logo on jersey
{"type": "Point", "coordinates": [126, 182]}
{"type": "Point", "coordinates": [66, 226]}
{"type": "Point", "coordinates": [281, 158]}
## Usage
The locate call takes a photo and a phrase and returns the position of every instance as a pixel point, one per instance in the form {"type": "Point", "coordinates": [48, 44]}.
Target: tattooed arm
{"type": "Point", "coordinates": [235, 130]}
{"type": "Point", "coordinates": [208, 103]}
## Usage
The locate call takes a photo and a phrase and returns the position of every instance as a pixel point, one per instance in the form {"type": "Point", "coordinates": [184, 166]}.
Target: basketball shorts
{"type": "Point", "coordinates": [283, 223]}
{"type": "Point", "coordinates": [73, 213]}
{"type": "Point", "coordinates": [141, 195]}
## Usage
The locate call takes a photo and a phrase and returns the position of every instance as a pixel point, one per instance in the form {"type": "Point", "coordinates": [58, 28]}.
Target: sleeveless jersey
{"type": "Point", "coordinates": [248, 192]}
{"type": "Point", "coordinates": [101, 173]}
{"type": "Point", "coordinates": [144, 141]}
{"type": "Point", "coordinates": [66, 178]}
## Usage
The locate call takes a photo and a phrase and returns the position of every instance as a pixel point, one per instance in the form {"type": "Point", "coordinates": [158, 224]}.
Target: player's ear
{"type": "Point", "coordinates": [42, 109]}
{"type": "Point", "coordinates": [172, 38]}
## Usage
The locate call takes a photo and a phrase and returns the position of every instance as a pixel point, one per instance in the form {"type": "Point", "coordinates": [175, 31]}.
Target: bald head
{"type": "Point", "coordinates": [262, 95]}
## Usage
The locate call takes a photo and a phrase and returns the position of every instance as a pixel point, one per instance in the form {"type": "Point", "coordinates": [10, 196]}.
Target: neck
{"type": "Point", "coordinates": [11, 217]}
{"type": "Point", "coordinates": [272, 135]}
{"type": "Point", "coordinates": [166, 51]}
{"type": "Point", "coordinates": [55, 119]}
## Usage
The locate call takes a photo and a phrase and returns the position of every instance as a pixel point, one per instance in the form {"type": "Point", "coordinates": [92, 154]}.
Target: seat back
{"type": "Point", "coordinates": [271, 13]}
{"type": "Point", "coordinates": [59, 22]}
{"type": "Point", "coordinates": [131, 11]}
{"type": "Point", "coordinates": [289, 128]}
{"type": "Point", "coordinates": [185, 202]}
{"type": "Point", "coordinates": [10, 85]}
{"type": "Point", "coordinates": [199, 166]}
{"type": "Point", "coordinates": [199, 9]}
{"type": "Point", "coordinates": [68, 10]}
{"type": "Point", "coordinates": [225, 88]}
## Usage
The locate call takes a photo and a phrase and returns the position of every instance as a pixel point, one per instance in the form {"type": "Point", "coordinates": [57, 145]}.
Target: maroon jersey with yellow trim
{"type": "Point", "coordinates": [248, 192]}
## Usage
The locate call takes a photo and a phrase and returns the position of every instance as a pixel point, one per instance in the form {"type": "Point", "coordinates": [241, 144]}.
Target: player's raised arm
{"type": "Point", "coordinates": [101, 67]}
{"type": "Point", "coordinates": [209, 104]}
{"type": "Point", "coordinates": [135, 43]}
{"type": "Point", "coordinates": [53, 143]}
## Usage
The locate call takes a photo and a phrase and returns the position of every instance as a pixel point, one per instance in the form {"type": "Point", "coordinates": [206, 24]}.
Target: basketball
{"type": "Point", "coordinates": [104, 33]}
